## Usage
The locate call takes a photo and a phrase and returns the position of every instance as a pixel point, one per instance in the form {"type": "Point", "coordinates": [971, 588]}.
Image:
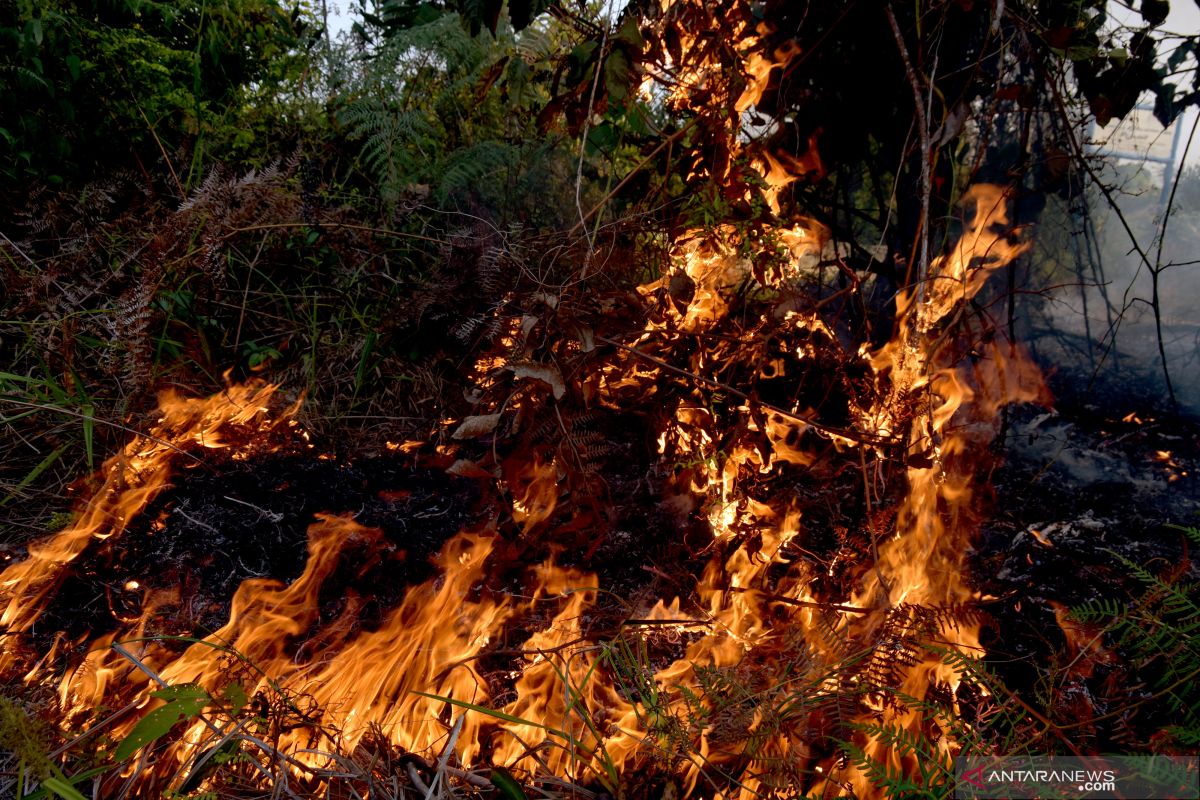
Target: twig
{"type": "Point", "coordinates": [102, 421]}
{"type": "Point", "coordinates": [273, 516]}
{"type": "Point", "coordinates": [923, 139]}
{"type": "Point", "coordinates": [1158, 268]}
{"type": "Point", "coordinates": [194, 521]}
{"type": "Point", "coordinates": [212, 727]}
{"type": "Point", "coordinates": [883, 584]}
{"type": "Point", "coordinates": [845, 433]}
{"type": "Point", "coordinates": [778, 598]}
{"type": "Point", "coordinates": [447, 751]}
{"type": "Point", "coordinates": [20, 252]}
{"type": "Point", "coordinates": [161, 149]}
{"type": "Point", "coordinates": [587, 121]}
{"type": "Point", "coordinates": [368, 228]}
{"type": "Point", "coordinates": [630, 175]}
{"type": "Point", "coordinates": [415, 777]}
{"type": "Point", "coordinates": [154, 676]}
{"type": "Point", "coordinates": [237, 336]}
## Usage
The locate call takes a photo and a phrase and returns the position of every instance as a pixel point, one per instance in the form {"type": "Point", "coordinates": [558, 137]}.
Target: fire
{"type": "Point", "coordinates": [132, 478]}
{"type": "Point", "coordinates": [753, 672]}
{"type": "Point", "coordinates": [583, 703]}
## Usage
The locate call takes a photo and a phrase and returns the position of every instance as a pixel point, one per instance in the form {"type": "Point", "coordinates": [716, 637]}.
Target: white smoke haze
{"type": "Point", "coordinates": [1100, 319]}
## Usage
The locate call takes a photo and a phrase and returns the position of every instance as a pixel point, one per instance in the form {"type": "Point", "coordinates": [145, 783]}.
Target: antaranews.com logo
{"type": "Point", "coordinates": [1091, 777]}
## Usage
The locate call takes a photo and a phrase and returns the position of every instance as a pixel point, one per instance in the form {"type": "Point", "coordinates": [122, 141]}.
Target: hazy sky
{"type": "Point", "coordinates": [339, 16]}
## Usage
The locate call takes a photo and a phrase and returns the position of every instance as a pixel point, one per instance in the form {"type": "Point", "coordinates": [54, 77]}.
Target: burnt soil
{"type": "Point", "coordinates": [1079, 496]}
{"type": "Point", "coordinates": [1097, 488]}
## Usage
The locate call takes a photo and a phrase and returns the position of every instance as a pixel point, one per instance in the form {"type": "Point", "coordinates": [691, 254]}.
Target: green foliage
{"type": "Point", "coordinates": [183, 703]}
{"type": "Point", "coordinates": [438, 108]}
{"type": "Point", "coordinates": [145, 77]}
{"type": "Point", "coordinates": [932, 777]}
{"type": "Point", "coordinates": [1160, 633]}
{"type": "Point", "coordinates": [477, 15]}
{"type": "Point", "coordinates": [27, 740]}
{"type": "Point", "coordinates": [25, 737]}
{"type": "Point", "coordinates": [391, 141]}
{"type": "Point", "coordinates": [507, 785]}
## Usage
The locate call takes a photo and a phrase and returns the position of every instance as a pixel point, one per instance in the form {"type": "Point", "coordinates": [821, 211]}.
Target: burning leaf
{"type": "Point", "coordinates": [476, 426]}
{"type": "Point", "coordinates": [547, 374]}
{"type": "Point", "coordinates": [185, 703]}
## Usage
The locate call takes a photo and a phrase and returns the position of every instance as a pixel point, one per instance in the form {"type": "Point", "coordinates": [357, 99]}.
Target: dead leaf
{"type": "Point", "coordinates": [476, 426]}
{"type": "Point", "coordinates": [546, 373]}
{"type": "Point", "coordinates": [587, 339]}
{"type": "Point", "coordinates": [466, 468]}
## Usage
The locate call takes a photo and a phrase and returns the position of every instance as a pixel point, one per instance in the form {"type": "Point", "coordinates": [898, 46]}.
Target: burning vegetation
{"type": "Point", "coordinates": [736, 669]}
{"type": "Point", "coordinates": [724, 522]}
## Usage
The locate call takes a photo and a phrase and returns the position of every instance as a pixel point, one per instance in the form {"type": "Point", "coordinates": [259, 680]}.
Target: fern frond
{"type": "Point", "coordinates": [474, 164]}
{"type": "Point", "coordinates": [893, 782]}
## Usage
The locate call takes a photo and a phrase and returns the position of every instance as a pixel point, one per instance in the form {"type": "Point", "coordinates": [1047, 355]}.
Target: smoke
{"type": "Point", "coordinates": [1118, 286]}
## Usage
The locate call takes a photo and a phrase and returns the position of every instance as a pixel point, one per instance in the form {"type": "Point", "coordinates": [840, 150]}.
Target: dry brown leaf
{"type": "Point", "coordinates": [466, 468]}
{"type": "Point", "coordinates": [476, 426]}
{"type": "Point", "coordinates": [546, 373]}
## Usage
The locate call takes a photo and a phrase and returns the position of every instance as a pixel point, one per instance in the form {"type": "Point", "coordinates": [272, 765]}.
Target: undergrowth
{"type": "Point", "coordinates": [1157, 633]}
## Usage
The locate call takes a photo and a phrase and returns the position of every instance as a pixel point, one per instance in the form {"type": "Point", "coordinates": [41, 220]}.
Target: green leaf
{"type": "Point", "coordinates": [59, 785]}
{"type": "Point", "coordinates": [630, 34]}
{"type": "Point", "coordinates": [579, 59]}
{"type": "Point", "coordinates": [616, 75]}
{"type": "Point", "coordinates": [603, 137]}
{"type": "Point", "coordinates": [236, 696]}
{"type": "Point", "coordinates": [1179, 55]}
{"type": "Point", "coordinates": [63, 789]}
{"type": "Point", "coordinates": [1082, 52]}
{"type": "Point", "coordinates": [364, 361]}
{"type": "Point", "coordinates": [523, 12]}
{"type": "Point", "coordinates": [491, 712]}
{"type": "Point", "coordinates": [186, 701]}
{"type": "Point", "coordinates": [1165, 109]}
{"type": "Point", "coordinates": [1155, 11]}
{"type": "Point", "coordinates": [89, 433]}
{"type": "Point", "coordinates": [183, 691]}
{"type": "Point", "coordinates": [32, 475]}
{"type": "Point", "coordinates": [507, 785]}
{"type": "Point", "coordinates": [73, 66]}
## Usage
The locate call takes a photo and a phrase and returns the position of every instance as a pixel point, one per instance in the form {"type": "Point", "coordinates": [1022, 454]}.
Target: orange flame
{"type": "Point", "coordinates": [132, 478]}
{"type": "Point", "coordinates": [580, 705]}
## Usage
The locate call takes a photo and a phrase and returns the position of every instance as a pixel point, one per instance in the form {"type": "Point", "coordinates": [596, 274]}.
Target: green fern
{"type": "Point", "coordinates": [1159, 631]}
{"type": "Point", "coordinates": [472, 165]}
{"type": "Point", "coordinates": [932, 779]}
{"type": "Point", "coordinates": [392, 142]}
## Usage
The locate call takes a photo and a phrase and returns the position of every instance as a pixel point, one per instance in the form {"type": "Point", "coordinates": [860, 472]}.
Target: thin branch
{"type": "Point", "coordinates": [922, 121]}
{"type": "Point", "coordinates": [101, 420]}
{"type": "Point", "coordinates": [1158, 268]}
{"type": "Point", "coordinates": [845, 433]}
